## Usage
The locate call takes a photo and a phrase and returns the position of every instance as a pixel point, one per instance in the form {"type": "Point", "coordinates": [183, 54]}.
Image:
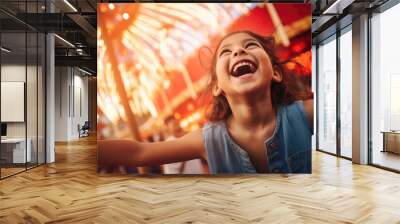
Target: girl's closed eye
{"type": "Point", "coordinates": [251, 45]}
{"type": "Point", "coordinates": [247, 46]}
{"type": "Point", "coordinates": [224, 52]}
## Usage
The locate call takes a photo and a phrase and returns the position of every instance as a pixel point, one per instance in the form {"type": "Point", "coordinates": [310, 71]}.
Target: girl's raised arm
{"type": "Point", "coordinates": [133, 153]}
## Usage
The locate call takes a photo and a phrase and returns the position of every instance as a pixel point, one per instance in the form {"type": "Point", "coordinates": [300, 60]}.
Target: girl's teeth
{"type": "Point", "coordinates": [244, 63]}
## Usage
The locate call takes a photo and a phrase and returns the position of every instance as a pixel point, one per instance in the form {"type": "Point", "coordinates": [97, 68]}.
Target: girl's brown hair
{"type": "Point", "coordinates": [289, 90]}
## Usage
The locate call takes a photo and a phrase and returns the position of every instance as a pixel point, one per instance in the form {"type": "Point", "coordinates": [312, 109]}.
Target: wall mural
{"type": "Point", "coordinates": [197, 88]}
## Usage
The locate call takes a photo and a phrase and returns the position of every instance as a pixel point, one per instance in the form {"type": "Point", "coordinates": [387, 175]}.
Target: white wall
{"type": "Point", "coordinates": [81, 94]}
{"type": "Point", "coordinates": [61, 115]}
{"type": "Point", "coordinates": [71, 94]}
{"type": "Point", "coordinates": [16, 73]}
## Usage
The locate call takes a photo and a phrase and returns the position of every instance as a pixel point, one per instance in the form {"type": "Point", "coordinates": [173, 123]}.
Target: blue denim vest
{"type": "Point", "coordinates": [288, 149]}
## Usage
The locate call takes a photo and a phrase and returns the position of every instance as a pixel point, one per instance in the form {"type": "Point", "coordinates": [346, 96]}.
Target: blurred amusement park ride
{"type": "Point", "coordinates": [153, 58]}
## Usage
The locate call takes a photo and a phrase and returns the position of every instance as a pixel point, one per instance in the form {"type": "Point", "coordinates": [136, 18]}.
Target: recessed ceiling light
{"type": "Point", "coordinates": [64, 40]}
{"type": "Point", "coordinates": [5, 50]}
{"type": "Point", "coordinates": [84, 71]}
{"type": "Point", "coordinates": [337, 7]}
{"type": "Point", "coordinates": [70, 5]}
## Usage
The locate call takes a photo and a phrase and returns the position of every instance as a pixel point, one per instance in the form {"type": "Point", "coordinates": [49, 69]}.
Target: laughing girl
{"type": "Point", "coordinates": [260, 120]}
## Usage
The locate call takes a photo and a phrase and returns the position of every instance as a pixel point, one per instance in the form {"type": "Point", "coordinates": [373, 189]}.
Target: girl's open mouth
{"type": "Point", "coordinates": [243, 67]}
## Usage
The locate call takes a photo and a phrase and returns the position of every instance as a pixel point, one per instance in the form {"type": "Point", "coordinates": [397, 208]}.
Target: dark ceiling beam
{"type": "Point", "coordinates": [84, 24]}
{"type": "Point", "coordinates": [83, 61]}
{"type": "Point", "coordinates": [49, 22]}
{"type": "Point", "coordinates": [321, 23]}
{"type": "Point", "coordinates": [15, 18]}
{"type": "Point", "coordinates": [70, 23]}
{"type": "Point", "coordinates": [91, 5]}
{"type": "Point", "coordinates": [65, 51]}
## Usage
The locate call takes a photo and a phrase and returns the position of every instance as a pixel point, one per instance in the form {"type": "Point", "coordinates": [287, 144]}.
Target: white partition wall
{"type": "Point", "coordinates": [71, 102]}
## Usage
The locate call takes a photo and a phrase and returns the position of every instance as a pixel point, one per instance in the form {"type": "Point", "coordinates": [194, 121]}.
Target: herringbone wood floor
{"type": "Point", "coordinates": [70, 191]}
